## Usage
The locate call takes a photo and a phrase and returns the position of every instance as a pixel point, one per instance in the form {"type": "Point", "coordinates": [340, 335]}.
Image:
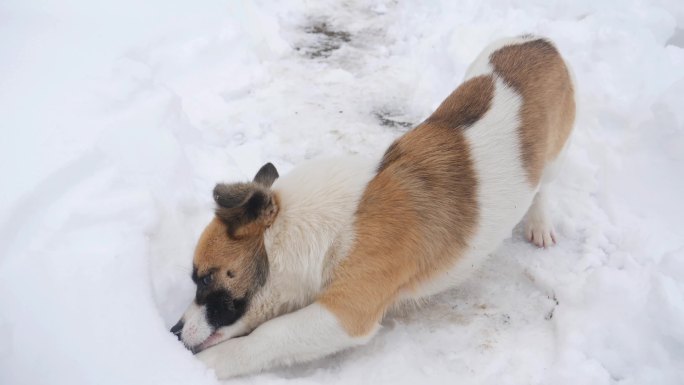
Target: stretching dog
{"type": "Point", "coordinates": [308, 265]}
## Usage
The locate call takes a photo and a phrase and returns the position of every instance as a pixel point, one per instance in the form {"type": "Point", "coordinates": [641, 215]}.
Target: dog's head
{"type": "Point", "coordinates": [230, 263]}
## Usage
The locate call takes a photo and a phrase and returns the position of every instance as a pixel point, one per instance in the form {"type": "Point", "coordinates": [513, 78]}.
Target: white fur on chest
{"type": "Point", "coordinates": [315, 223]}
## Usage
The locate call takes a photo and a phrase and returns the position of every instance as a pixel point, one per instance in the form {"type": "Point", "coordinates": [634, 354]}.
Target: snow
{"type": "Point", "coordinates": [119, 117]}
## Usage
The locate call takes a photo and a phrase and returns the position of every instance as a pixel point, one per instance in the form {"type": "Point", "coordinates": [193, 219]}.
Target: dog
{"type": "Point", "coordinates": [296, 268]}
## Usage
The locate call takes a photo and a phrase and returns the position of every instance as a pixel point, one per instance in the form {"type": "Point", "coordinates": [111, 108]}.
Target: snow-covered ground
{"type": "Point", "coordinates": [117, 118]}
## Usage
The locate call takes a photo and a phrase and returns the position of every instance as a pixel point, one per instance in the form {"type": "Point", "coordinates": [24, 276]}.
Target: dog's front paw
{"type": "Point", "coordinates": [540, 232]}
{"type": "Point", "coordinates": [226, 359]}
{"type": "Point", "coordinates": [209, 357]}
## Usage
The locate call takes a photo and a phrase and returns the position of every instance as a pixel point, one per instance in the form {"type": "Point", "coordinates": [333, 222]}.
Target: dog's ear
{"type": "Point", "coordinates": [248, 208]}
{"type": "Point", "coordinates": [266, 175]}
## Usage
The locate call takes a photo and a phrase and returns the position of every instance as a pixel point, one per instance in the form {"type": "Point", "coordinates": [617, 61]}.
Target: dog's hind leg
{"type": "Point", "coordinates": [304, 335]}
{"type": "Point", "coordinates": [538, 227]}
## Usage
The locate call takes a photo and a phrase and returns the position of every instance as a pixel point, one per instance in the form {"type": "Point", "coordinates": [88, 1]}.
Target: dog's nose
{"type": "Point", "coordinates": [177, 329]}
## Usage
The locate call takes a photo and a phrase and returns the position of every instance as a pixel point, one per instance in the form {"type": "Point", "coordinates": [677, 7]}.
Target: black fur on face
{"type": "Point", "coordinates": [222, 309]}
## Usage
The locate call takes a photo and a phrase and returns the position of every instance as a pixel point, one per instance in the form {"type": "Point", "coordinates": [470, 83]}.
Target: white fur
{"type": "Point", "coordinates": [196, 329]}
{"type": "Point", "coordinates": [300, 336]}
{"type": "Point", "coordinates": [538, 226]}
{"type": "Point", "coordinates": [239, 328]}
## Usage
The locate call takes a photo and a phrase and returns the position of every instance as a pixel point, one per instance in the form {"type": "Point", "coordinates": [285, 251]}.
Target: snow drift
{"type": "Point", "coordinates": [118, 119]}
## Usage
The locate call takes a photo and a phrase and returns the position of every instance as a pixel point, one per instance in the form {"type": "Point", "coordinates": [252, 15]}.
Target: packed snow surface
{"type": "Point", "coordinates": [118, 118]}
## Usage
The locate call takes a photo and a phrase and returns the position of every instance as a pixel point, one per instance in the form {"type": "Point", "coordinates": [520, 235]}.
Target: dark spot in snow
{"type": "Point", "coordinates": [388, 120]}
{"type": "Point", "coordinates": [549, 315]}
{"type": "Point", "coordinates": [327, 40]}
{"type": "Point", "coordinates": [323, 29]}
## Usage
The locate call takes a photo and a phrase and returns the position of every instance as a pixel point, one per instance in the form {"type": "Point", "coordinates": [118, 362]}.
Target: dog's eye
{"type": "Point", "coordinates": [230, 274]}
{"type": "Point", "coordinates": [206, 280]}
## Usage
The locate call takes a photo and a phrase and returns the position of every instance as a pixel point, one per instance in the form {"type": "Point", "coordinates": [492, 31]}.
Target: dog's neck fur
{"type": "Point", "coordinates": [311, 234]}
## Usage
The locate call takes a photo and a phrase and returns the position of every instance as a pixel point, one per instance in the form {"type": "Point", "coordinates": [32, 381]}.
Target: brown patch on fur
{"type": "Point", "coordinates": [244, 258]}
{"type": "Point", "coordinates": [463, 107]}
{"type": "Point", "coordinates": [536, 70]}
{"type": "Point", "coordinates": [416, 216]}
{"type": "Point", "coordinates": [391, 154]}
{"type": "Point", "coordinates": [466, 104]}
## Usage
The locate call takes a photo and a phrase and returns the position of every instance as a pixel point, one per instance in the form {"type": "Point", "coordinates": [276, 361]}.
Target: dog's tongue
{"type": "Point", "coordinates": [211, 341]}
